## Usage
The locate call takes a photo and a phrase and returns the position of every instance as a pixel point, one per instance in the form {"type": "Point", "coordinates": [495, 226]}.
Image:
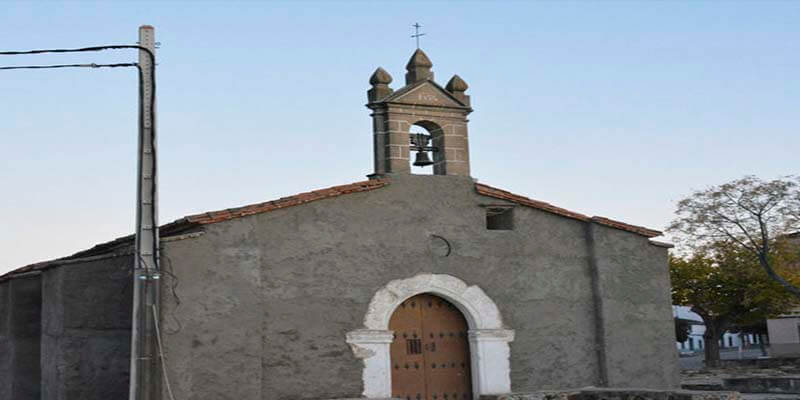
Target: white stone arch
{"type": "Point", "coordinates": [489, 338]}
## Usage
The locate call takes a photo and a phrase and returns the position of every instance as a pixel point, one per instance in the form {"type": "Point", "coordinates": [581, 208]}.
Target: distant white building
{"type": "Point", "coordinates": [698, 328]}
{"type": "Point", "coordinates": [784, 334]}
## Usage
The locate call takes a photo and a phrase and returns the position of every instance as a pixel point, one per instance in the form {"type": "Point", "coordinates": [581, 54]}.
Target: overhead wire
{"type": "Point", "coordinates": [152, 71]}
{"type": "Point", "coordinates": [161, 353]}
{"type": "Point", "coordinates": [152, 98]}
{"type": "Point", "coordinates": [52, 66]}
{"type": "Point", "coordinates": [173, 285]}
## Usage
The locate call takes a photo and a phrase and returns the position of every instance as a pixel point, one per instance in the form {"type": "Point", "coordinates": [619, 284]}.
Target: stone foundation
{"type": "Point", "coordinates": [783, 384]}
{"type": "Point", "coordinates": [615, 394]}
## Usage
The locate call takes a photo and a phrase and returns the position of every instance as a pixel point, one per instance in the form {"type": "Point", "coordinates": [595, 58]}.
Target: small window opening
{"type": "Point", "coordinates": [500, 218]}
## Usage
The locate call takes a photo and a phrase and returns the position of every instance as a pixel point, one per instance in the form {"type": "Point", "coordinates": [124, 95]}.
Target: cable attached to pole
{"type": "Point", "coordinates": [138, 390]}
{"type": "Point", "coordinates": [152, 57]}
{"type": "Point", "coordinates": [53, 66]}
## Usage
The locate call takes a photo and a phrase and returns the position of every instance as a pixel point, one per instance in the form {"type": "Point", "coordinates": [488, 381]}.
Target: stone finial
{"type": "Point", "coordinates": [380, 77]}
{"type": "Point", "coordinates": [457, 87]}
{"type": "Point", "coordinates": [456, 84]}
{"type": "Point", "coordinates": [380, 81]}
{"type": "Point", "coordinates": [418, 67]}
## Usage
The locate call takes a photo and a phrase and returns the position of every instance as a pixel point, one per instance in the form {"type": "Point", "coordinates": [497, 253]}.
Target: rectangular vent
{"type": "Point", "coordinates": [413, 346]}
{"type": "Point", "coordinates": [500, 218]}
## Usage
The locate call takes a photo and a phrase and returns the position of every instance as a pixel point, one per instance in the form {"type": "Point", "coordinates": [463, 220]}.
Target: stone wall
{"type": "Point", "coordinates": [616, 394]}
{"type": "Point", "coordinates": [20, 329]}
{"type": "Point", "coordinates": [5, 342]}
{"type": "Point", "coordinates": [631, 294]}
{"type": "Point", "coordinates": [86, 330]}
{"type": "Point", "coordinates": [763, 384]}
{"type": "Point", "coordinates": [266, 300]}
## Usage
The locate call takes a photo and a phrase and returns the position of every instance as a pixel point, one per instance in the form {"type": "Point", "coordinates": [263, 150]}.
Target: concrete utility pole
{"type": "Point", "coordinates": [144, 378]}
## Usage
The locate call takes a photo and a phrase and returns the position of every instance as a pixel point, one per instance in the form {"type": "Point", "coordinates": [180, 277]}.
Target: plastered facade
{"type": "Point", "coordinates": [269, 306]}
{"type": "Point", "coordinates": [267, 301]}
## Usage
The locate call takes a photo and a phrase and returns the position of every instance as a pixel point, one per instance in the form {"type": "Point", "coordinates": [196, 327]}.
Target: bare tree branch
{"type": "Point", "coordinates": [748, 212]}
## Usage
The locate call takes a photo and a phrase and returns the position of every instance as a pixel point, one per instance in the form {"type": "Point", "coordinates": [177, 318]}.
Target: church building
{"type": "Point", "coordinates": [401, 286]}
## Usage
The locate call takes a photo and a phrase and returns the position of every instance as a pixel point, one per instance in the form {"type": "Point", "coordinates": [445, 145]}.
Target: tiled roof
{"type": "Point", "coordinates": [487, 190]}
{"type": "Point", "coordinates": [302, 198]}
{"type": "Point", "coordinates": [191, 222]}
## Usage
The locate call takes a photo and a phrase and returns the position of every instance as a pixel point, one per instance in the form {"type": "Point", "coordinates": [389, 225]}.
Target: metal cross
{"type": "Point", "coordinates": [416, 35]}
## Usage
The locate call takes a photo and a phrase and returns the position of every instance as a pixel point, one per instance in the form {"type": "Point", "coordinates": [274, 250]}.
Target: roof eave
{"type": "Point", "coordinates": [490, 191]}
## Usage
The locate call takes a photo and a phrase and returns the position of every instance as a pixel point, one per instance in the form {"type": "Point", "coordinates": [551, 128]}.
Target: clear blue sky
{"type": "Point", "coordinates": [607, 108]}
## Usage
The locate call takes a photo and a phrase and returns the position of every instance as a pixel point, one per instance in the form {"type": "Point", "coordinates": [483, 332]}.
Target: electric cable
{"type": "Point", "coordinates": [153, 223]}
{"type": "Point", "coordinates": [152, 57]}
{"type": "Point", "coordinates": [92, 65]}
{"type": "Point", "coordinates": [161, 353]}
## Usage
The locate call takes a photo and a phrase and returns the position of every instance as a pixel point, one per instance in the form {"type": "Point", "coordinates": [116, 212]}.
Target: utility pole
{"type": "Point", "coordinates": [145, 352]}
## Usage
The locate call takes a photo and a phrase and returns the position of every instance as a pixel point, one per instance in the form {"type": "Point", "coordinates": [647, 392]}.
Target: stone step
{"type": "Point", "coordinates": [703, 386]}
{"type": "Point", "coordinates": [780, 384]}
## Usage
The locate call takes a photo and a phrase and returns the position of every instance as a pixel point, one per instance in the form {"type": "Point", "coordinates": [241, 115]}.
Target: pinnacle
{"type": "Point", "coordinates": [419, 68]}
{"type": "Point", "coordinates": [456, 84]}
{"type": "Point", "coordinates": [419, 60]}
{"type": "Point", "coordinates": [380, 77]}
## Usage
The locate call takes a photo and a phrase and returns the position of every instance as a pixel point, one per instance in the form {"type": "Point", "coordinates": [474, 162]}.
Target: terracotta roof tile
{"type": "Point", "coordinates": [627, 227]}
{"type": "Point", "coordinates": [302, 198]}
{"type": "Point", "coordinates": [487, 190]}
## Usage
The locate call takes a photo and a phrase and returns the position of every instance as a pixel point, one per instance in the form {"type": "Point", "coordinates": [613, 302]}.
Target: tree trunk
{"type": "Point", "coordinates": [711, 337]}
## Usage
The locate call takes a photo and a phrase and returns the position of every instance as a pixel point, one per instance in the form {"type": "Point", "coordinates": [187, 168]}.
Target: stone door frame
{"type": "Point", "coordinates": [488, 337]}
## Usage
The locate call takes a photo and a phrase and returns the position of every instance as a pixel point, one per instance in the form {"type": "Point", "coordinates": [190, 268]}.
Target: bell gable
{"type": "Point", "coordinates": [426, 93]}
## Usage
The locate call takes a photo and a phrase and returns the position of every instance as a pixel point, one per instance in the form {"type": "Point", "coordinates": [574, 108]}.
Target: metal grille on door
{"type": "Point", "coordinates": [430, 351]}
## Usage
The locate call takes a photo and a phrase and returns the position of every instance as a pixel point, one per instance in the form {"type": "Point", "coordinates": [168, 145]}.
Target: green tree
{"type": "Point", "coordinates": [748, 212]}
{"type": "Point", "coordinates": [724, 285]}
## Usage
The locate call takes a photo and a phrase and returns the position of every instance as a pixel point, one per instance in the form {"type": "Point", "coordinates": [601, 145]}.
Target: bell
{"type": "Point", "coordinates": [422, 159]}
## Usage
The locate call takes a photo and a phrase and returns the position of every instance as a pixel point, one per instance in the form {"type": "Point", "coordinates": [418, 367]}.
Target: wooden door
{"type": "Point", "coordinates": [430, 351]}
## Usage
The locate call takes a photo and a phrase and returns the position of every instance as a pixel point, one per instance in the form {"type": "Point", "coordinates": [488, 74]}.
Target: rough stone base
{"type": "Point", "coordinates": [782, 384]}
{"type": "Point", "coordinates": [615, 394]}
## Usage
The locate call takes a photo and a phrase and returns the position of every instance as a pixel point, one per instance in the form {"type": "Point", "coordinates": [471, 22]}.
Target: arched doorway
{"type": "Point", "coordinates": [430, 354]}
{"type": "Point", "coordinates": [488, 337]}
